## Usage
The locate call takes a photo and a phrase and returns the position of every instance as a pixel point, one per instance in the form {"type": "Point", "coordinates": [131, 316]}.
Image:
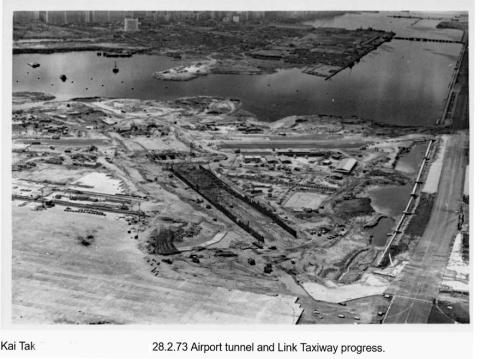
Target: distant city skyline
{"type": "Point", "coordinates": [84, 17]}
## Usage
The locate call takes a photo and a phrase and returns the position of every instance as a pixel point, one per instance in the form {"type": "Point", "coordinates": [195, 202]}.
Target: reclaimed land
{"type": "Point", "coordinates": [261, 47]}
{"type": "Point", "coordinates": [145, 191]}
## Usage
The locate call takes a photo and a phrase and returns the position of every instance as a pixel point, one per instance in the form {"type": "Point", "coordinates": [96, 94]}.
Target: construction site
{"type": "Point", "coordinates": [204, 200]}
{"type": "Point", "coordinates": [192, 210]}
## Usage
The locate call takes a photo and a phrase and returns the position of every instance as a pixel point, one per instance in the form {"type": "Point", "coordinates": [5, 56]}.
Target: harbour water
{"type": "Point", "coordinates": [401, 82]}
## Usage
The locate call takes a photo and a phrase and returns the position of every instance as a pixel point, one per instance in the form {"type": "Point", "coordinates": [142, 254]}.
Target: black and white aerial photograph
{"type": "Point", "coordinates": [239, 167]}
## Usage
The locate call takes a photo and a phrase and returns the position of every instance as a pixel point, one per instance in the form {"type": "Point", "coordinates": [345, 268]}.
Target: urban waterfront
{"type": "Point", "coordinates": [418, 73]}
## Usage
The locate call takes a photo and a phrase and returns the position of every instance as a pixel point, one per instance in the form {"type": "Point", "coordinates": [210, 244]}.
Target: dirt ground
{"type": "Point", "coordinates": [57, 279]}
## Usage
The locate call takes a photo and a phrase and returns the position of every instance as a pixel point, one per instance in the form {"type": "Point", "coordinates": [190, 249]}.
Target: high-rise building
{"type": "Point", "coordinates": [25, 17]}
{"type": "Point", "coordinates": [75, 17]}
{"type": "Point", "coordinates": [119, 16]}
{"type": "Point", "coordinates": [130, 24]}
{"type": "Point", "coordinates": [64, 17]}
{"type": "Point", "coordinates": [148, 17]}
{"type": "Point", "coordinates": [56, 17]}
{"type": "Point", "coordinates": [89, 16]}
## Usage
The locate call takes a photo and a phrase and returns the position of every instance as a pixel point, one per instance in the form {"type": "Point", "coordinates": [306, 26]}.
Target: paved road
{"type": "Point", "coordinates": [419, 282]}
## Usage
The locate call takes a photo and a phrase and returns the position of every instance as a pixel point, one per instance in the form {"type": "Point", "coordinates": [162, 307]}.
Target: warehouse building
{"type": "Point", "coordinates": [346, 165]}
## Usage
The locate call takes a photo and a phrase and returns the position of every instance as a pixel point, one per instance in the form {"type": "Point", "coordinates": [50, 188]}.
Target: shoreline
{"type": "Point", "coordinates": [53, 48]}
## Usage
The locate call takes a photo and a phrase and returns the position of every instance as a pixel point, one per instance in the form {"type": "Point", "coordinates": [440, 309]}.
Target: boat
{"type": "Point", "coordinates": [33, 65]}
{"type": "Point", "coordinates": [118, 54]}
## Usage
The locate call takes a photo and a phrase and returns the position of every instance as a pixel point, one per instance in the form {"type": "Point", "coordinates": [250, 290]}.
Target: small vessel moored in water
{"type": "Point", "coordinates": [115, 68]}
{"type": "Point", "coordinates": [123, 53]}
{"type": "Point", "coordinates": [33, 65]}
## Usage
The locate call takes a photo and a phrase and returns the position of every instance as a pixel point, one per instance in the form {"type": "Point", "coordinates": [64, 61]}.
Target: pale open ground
{"type": "Point", "coordinates": [330, 292]}
{"type": "Point", "coordinates": [100, 182]}
{"type": "Point", "coordinates": [433, 177]}
{"type": "Point", "coordinates": [52, 173]}
{"type": "Point", "coordinates": [456, 275]}
{"type": "Point", "coordinates": [301, 200]}
{"type": "Point", "coordinates": [58, 280]}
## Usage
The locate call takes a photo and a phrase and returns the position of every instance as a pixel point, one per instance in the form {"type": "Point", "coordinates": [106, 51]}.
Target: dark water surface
{"type": "Point", "coordinates": [381, 231]}
{"type": "Point", "coordinates": [410, 162]}
{"type": "Point", "coordinates": [399, 83]}
{"type": "Point", "coordinates": [391, 201]}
